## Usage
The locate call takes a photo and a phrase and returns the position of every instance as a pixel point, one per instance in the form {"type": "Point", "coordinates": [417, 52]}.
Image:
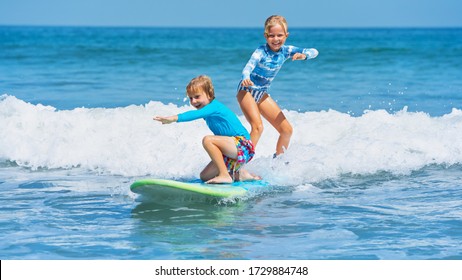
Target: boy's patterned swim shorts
{"type": "Point", "coordinates": [245, 152]}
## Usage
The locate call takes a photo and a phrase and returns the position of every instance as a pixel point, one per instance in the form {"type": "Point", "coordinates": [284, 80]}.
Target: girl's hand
{"type": "Point", "coordinates": [247, 83]}
{"type": "Point", "coordinates": [166, 120]}
{"type": "Point", "coordinates": [299, 56]}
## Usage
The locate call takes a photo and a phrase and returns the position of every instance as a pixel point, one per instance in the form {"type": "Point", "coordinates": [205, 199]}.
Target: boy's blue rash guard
{"type": "Point", "coordinates": [264, 64]}
{"type": "Point", "coordinates": [221, 120]}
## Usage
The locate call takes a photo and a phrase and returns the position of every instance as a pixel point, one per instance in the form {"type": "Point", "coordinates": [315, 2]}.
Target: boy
{"type": "Point", "coordinates": [230, 147]}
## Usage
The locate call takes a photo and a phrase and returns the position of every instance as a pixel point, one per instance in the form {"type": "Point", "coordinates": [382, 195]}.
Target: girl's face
{"type": "Point", "coordinates": [198, 99]}
{"type": "Point", "coordinates": [276, 37]}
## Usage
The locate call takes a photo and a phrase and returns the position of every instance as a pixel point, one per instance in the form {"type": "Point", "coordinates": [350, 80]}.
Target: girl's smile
{"type": "Point", "coordinates": [276, 37]}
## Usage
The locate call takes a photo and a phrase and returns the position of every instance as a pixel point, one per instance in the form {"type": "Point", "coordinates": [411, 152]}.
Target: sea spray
{"type": "Point", "coordinates": [126, 141]}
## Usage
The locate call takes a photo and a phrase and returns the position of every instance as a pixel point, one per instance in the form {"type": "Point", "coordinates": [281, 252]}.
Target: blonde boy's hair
{"type": "Point", "coordinates": [275, 20]}
{"type": "Point", "coordinates": [201, 83]}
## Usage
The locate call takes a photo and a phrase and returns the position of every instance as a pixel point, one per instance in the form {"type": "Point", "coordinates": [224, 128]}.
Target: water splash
{"type": "Point", "coordinates": [126, 141]}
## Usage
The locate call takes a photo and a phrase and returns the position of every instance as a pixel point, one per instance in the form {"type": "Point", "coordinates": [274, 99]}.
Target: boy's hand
{"type": "Point", "coordinates": [299, 56]}
{"type": "Point", "coordinates": [166, 120]}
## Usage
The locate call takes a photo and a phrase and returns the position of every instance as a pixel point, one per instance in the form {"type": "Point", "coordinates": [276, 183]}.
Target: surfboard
{"type": "Point", "coordinates": [167, 191]}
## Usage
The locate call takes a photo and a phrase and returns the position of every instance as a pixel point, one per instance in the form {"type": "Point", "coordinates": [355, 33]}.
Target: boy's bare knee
{"type": "Point", "coordinates": [206, 140]}
{"type": "Point", "coordinates": [203, 176]}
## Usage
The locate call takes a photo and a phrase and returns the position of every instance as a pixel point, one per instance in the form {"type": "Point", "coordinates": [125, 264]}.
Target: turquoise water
{"type": "Point", "coordinates": [373, 170]}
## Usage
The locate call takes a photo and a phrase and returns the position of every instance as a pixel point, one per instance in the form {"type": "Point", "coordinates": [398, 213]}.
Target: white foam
{"type": "Point", "coordinates": [126, 141]}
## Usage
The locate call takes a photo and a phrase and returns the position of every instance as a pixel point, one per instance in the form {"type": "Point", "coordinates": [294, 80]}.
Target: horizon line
{"type": "Point", "coordinates": [229, 27]}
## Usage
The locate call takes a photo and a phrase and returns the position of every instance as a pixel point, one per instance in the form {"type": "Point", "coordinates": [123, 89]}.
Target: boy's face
{"type": "Point", "coordinates": [276, 37]}
{"type": "Point", "coordinates": [198, 99]}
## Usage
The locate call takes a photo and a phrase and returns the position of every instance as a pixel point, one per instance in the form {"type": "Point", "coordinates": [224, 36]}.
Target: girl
{"type": "Point", "coordinates": [264, 64]}
{"type": "Point", "coordinates": [230, 146]}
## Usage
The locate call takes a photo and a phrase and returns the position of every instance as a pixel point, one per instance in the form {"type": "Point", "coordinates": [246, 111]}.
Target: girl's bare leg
{"type": "Point", "coordinates": [273, 114]}
{"type": "Point", "coordinates": [251, 112]}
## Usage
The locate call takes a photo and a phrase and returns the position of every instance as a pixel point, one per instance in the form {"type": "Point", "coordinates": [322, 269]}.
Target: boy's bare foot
{"type": "Point", "coordinates": [244, 175]}
{"type": "Point", "coordinates": [220, 180]}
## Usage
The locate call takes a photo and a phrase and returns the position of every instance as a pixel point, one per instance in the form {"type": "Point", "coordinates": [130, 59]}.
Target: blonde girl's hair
{"type": "Point", "coordinates": [201, 83]}
{"type": "Point", "coordinates": [275, 20]}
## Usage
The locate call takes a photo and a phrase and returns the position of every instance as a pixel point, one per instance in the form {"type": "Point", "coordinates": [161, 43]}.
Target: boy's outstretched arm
{"type": "Point", "coordinates": [166, 120]}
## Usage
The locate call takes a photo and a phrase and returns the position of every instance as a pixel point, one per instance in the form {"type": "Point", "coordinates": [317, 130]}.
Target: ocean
{"type": "Point", "coordinates": [373, 172]}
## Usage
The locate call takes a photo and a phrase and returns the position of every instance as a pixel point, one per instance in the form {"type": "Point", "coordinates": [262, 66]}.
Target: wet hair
{"type": "Point", "coordinates": [201, 83]}
{"type": "Point", "coordinates": [275, 20]}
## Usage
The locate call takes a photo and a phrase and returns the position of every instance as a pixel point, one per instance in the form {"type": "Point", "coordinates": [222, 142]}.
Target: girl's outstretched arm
{"type": "Point", "coordinates": [302, 54]}
{"type": "Point", "coordinates": [166, 120]}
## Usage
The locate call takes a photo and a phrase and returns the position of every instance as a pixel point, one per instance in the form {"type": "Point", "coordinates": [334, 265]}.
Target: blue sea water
{"type": "Point", "coordinates": [374, 167]}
